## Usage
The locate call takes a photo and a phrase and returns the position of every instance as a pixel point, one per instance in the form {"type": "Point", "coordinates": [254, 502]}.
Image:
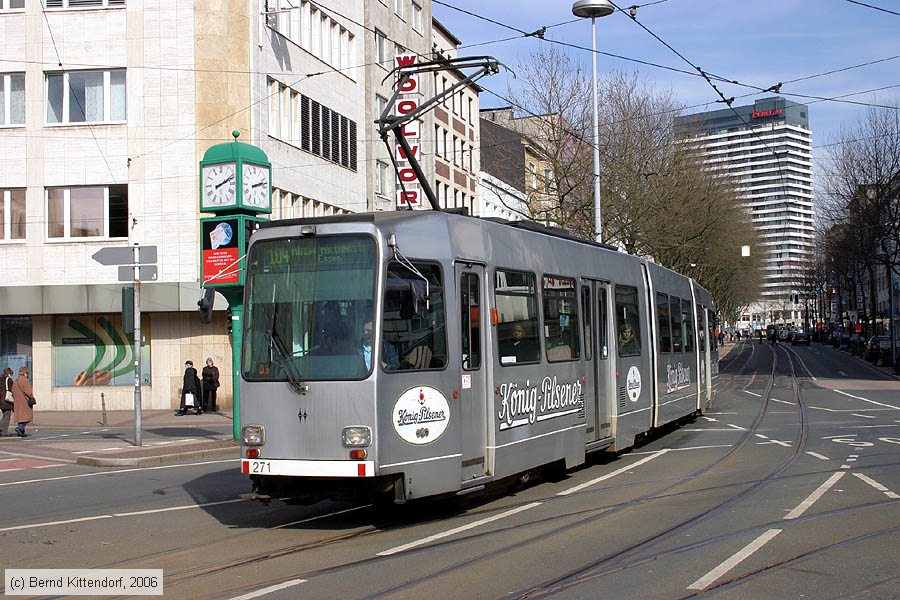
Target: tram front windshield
{"type": "Point", "coordinates": [308, 300]}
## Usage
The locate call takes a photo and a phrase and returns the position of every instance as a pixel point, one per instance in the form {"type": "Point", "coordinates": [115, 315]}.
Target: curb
{"type": "Point", "coordinates": [143, 461]}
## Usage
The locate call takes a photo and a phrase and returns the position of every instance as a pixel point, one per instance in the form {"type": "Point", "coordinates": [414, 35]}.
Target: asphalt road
{"type": "Point", "coordinates": [787, 488]}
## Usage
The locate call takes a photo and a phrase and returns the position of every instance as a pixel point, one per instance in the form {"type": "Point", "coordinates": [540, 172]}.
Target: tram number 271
{"type": "Point", "coordinates": [260, 467]}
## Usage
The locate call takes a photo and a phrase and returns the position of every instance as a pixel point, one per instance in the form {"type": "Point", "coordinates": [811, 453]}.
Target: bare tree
{"type": "Point", "coordinates": [863, 201]}
{"type": "Point", "coordinates": [659, 199]}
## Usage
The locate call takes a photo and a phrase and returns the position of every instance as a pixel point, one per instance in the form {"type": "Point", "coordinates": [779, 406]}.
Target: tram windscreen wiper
{"type": "Point", "coordinates": [284, 355]}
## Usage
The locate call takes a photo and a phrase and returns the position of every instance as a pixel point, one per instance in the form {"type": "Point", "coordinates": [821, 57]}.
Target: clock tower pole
{"type": "Point", "coordinates": [235, 185]}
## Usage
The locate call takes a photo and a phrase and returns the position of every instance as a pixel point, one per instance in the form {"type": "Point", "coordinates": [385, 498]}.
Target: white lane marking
{"type": "Point", "coordinates": [863, 416]}
{"type": "Point", "coordinates": [738, 427]}
{"type": "Point", "coordinates": [831, 437]}
{"type": "Point", "coordinates": [752, 393]}
{"type": "Point", "coordinates": [128, 514]}
{"type": "Point", "coordinates": [734, 560]}
{"type": "Point", "coordinates": [845, 466]}
{"type": "Point", "coordinates": [759, 435]}
{"type": "Point", "coordinates": [581, 486]}
{"type": "Point", "coordinates": [710, 419]}
{"type": "Point", "coordinates": [683, 449]}
{"type": "Point", "coordinates": [867, 426]}
{"type": "Point", "coordinates": [820, 491]}
{"type": "Point", "coordinates": [270, 589]}
{"type": "Point", "coordinates": [817, 455]}
{"type": "Point", "coordinates": [780, 443]}
{"type": "Point", "coordinates": [132, 470]}
{"type": "Point", "coordinates": [722, 413]}
{"type": "Point", "coordinates": [323, 516]}
{"type": "Point", "coordinates": [707, 429]}
{"type": "Point", "coordinates": [877, 485]}
{"type": "Point", "coordinates": [784, 402]}
{"type": "Point", "coordinates": [867, 400]}
{"type": "Point", "coordinates": [64, 522]}
{"type": "Point", "coordinates": [454, 531]}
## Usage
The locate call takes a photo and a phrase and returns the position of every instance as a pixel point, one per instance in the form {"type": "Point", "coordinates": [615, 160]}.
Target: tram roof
{"type": "Point", "coordinates": [374, 217]}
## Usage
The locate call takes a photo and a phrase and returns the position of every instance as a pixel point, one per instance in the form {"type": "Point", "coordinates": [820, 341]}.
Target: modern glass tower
{"type": "Point", "coordinates": [767, 148]}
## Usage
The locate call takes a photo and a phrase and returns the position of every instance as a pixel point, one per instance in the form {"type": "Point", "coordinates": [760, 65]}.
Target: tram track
{"type": "Point", "coordinates": [604, 565]}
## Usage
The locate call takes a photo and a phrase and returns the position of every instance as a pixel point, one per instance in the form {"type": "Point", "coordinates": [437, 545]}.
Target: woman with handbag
{"type": "Point", "coordinates": [23, 401]}
{"type": "Point", "coordinates": [6, 400]}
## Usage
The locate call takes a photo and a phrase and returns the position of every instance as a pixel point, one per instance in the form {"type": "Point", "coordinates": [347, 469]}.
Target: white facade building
{"type": "Point", "coordinates": [767, 148]}
{"type": "Point", "coordinates": [107, 107]}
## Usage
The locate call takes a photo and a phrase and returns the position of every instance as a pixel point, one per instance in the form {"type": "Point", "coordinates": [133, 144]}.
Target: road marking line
{"type": "Point", "coordinates": [845, 466]}
{"type": "Point", "coordinates": [688, 448]}
{"type": "Point", "coordinates": [752, 393]}
{"type": "Point", "coordinates": [877, 485]}
{"type": "Point", "coordinates": [710, 419]}
{"type": "Point", "coordinates": [580, 487]}
{"type": "Point", "coordinates": [707, 429]}
{"type": "Point", "coordinates": [454, 531]}
{"type": "Point", "coordinates": [832, 437]}
{"type": "Point", "coordinates": [863, 416]}
{"type": "Point", "coordinates": [49, 523]}
{"type": "Point", "coordinates": [734, 560]}
{"type": "Point", "coordinates": [132, 470]}
{"type": "Point", "coordinates": [867, 400]}
{"type": "Point", "coordinates": [738, 427]}
{"type": "Point", "coordinates": [820, 491]}
{"type": "Point", "coordinates": [759, 435]}
{"type": "Point", "coordinates": [866, 426]}
{"type": "Point", "coordinates": [784, 402]}
{"type": "Point", "coordinates": [83, 452]}
{"type": "Point", "coordinates": [128, 514]}
{"type": "Point", "coordinates": [817, 455]}
{"type": "Point", "coordinates": [270, 589]}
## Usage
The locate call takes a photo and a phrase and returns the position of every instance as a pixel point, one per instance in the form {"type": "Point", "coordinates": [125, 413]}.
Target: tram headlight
{"type": "Point", "coordinates": [253, 435]}
{"type": "Point", "coordinates": [356, 437]}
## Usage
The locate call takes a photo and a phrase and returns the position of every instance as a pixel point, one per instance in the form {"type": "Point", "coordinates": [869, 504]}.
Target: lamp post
{"type": "Point", "coordinates": [591, 9]}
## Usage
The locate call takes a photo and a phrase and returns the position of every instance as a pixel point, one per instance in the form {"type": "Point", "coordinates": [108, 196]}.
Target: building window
{"type": "Point", "coordinates": [382, 178]}
{"type": "Point", "coordinates": [416, 18]}
{"type": "Point", "coordinates": [16, 342]}
{"type": "Point", "coordinates": [93, 350]}
{"type": "Point", "coordinates": [12, 4]}
{"type": "Point", "coordinates": [398, 8]}
{"type": "Point", "coordinates": [12, 99]}
{"type": "Point", "coordinates": [81, 3]}
{"type": "Point", "coordinates": [86, 96]}
{"type": "Point", "coordinates": [85, 212]}
{"type": "Point", "coordinates": [381, 50]}
{"type": "Point", "coordinates": [12, 214]}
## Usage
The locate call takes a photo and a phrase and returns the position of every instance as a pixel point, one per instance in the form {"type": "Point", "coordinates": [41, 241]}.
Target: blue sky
{"type": "Point", "coordinates": [758, 42]}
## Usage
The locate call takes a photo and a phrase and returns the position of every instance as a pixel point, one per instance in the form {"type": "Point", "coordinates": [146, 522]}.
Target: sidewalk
{"type": "Point", "coordinates": [80, 437]}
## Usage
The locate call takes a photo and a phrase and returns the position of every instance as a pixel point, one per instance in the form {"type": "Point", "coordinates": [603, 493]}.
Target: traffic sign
{"type": "Point", "coordinates": [124, 255]}
{"type": "Point", "coordinates": [145, 273]}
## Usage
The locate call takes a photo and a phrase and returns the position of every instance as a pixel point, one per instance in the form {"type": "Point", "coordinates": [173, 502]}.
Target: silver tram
{"type": "Point", "coordinates": [401, 355]}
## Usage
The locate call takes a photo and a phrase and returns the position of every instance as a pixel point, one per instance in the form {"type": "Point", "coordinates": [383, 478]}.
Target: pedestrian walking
{"type": "Point", "coordinates": [210, 385]}
{"type": "Point", "coordinates": [190, 391]}
{"type": "Point", "coordinates": [6, 400]}
{"type": "Point", "coordinates": [23, 401]}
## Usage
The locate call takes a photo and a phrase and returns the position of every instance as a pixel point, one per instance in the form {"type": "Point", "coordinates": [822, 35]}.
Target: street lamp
{"type": "Point", "coordinates": [591, 9]}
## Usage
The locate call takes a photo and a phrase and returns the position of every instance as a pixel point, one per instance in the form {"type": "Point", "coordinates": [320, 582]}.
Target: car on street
{"type": "Point", "coordinates": [800, 337]}
{"type": "Point", "coordinates": [878, 346]}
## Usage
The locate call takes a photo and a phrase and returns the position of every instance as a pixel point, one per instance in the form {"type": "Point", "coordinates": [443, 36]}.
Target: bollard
{"type": "Point", "coordinates": [103, 409]}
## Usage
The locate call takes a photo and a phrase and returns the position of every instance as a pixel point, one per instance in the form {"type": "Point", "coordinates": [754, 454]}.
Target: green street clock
{"type": "Point", "coordinates": [235, 177]}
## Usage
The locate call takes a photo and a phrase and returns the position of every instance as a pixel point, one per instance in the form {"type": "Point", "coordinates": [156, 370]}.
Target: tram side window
{"type": "Point", "coordinates": [470, 320]}
{"type": "Point", "coordinates": [701, 329]}
{"type": "Point", "coordinates": [714, 328]}
{"type": "Point", "coordinates": [663, 322]}
{"type": "Point", "coordinates": [677, 333]}
{"type": "Point", "coordinates": [586, 321]}
{"type": "Point", "coordinates": [414, 319]}
{"type": "Point", "coordinates": [628, 322]}
{"type": "Point", "coordinates": [561, 330]}
{"type": "Point", "coordinates": [515, 299]}
{"type": "Point", "coordinates": [688, 325]}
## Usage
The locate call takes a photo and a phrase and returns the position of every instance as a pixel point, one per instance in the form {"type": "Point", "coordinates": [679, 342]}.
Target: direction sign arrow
{"type": "Point", "coordinates": [124, 255]}
{"type": "Point", "coordinates": [145, 273]}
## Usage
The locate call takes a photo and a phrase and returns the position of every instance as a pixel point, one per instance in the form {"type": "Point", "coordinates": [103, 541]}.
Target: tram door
{"type": "Point", "coordinates": [474, 361]}
{"type": "Point", "coordinates": [597, 298]}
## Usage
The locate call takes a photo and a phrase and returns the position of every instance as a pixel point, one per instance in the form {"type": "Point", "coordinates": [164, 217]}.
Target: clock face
{"type": "Point", "coordinates": [255, 186]}
{"type": "Point", "coordinates": [219, 185]}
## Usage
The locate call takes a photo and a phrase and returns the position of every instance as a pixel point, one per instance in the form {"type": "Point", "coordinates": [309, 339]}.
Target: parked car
{"type": "Point", "coordinates": [800, 337]}
{"type": "Point", "coordinates": [878, 346]}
